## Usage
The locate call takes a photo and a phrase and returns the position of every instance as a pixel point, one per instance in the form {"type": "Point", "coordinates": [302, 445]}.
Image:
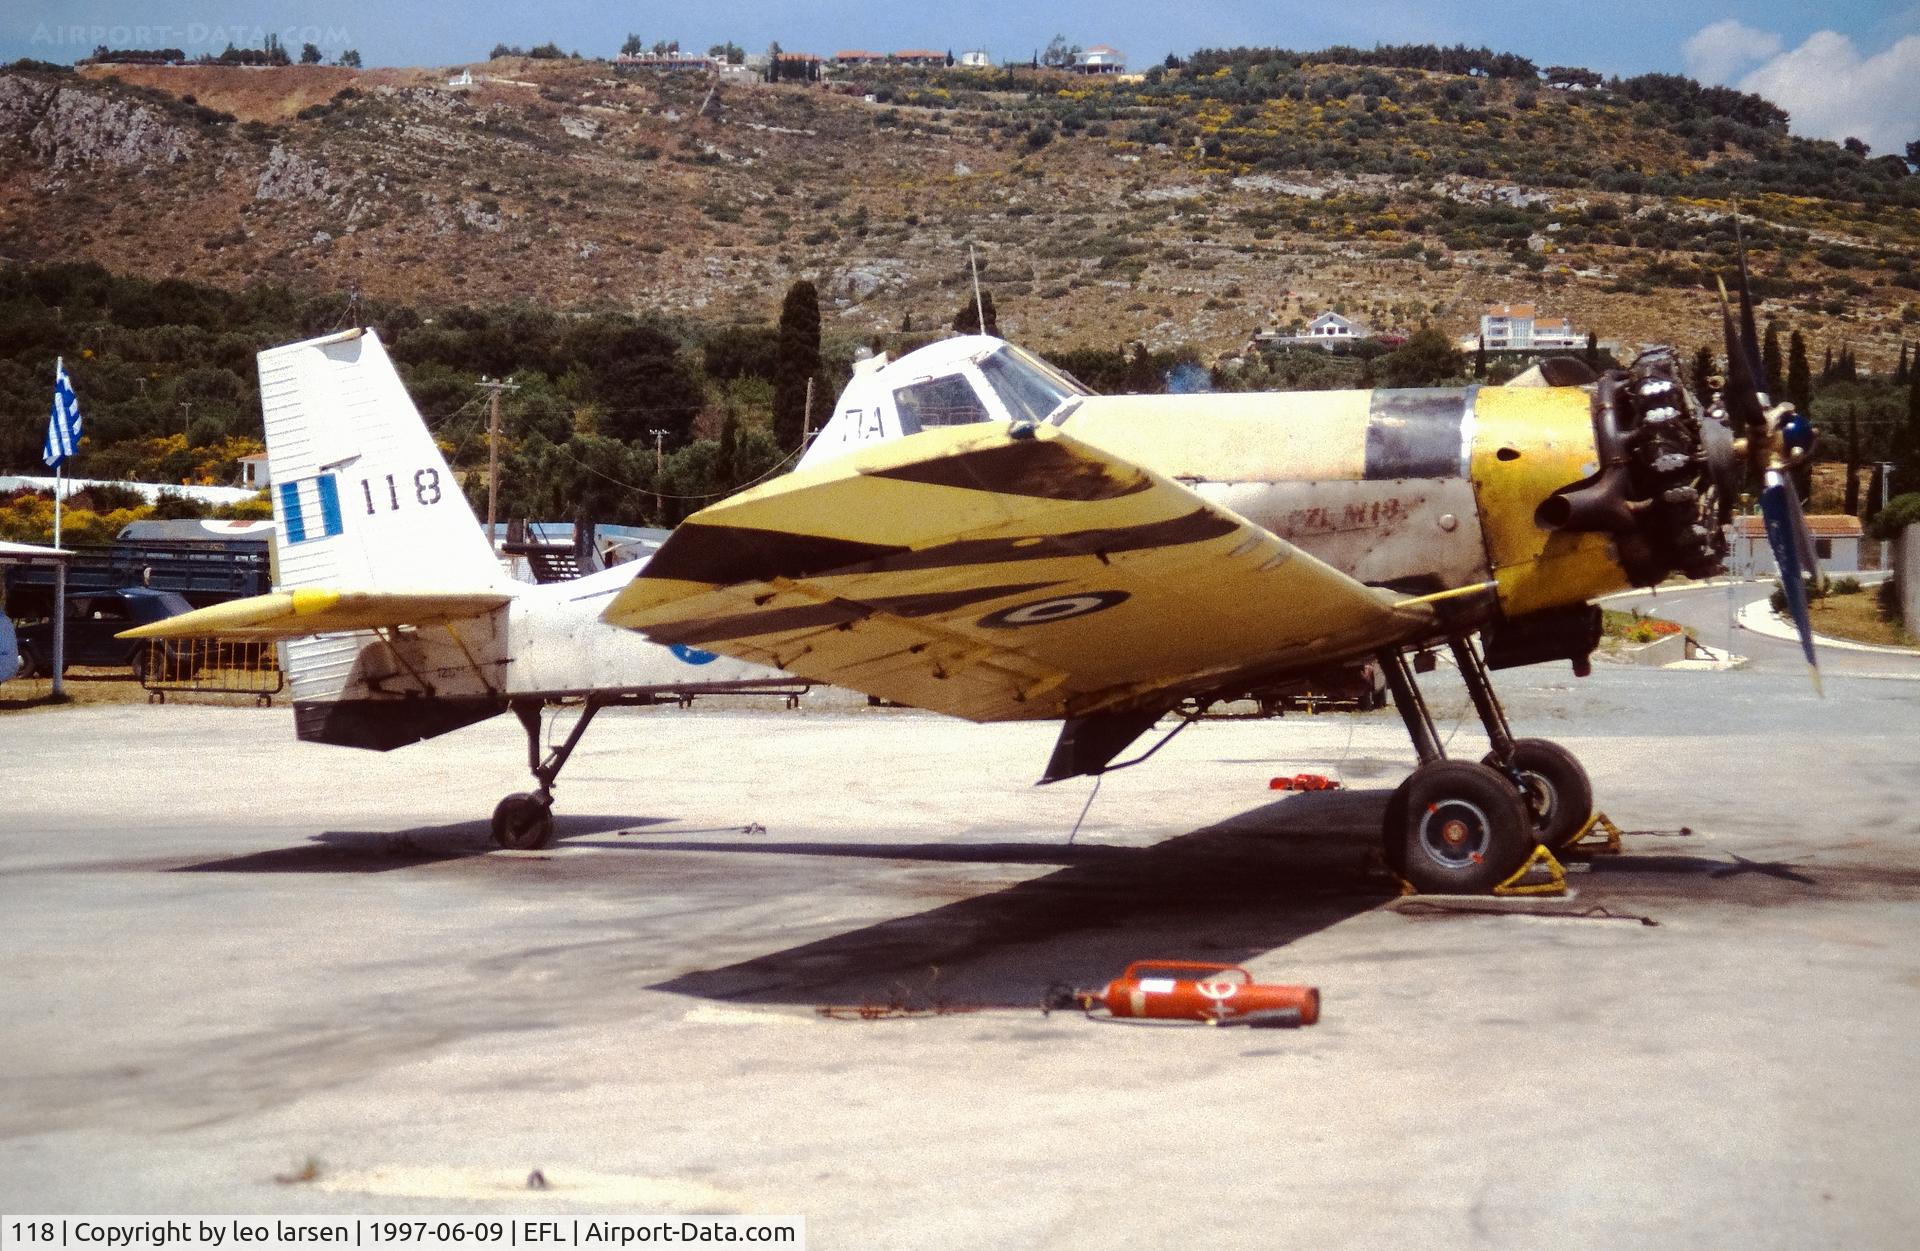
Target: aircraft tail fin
{"type": "Point", "coordinates": [362, 497]}
{"type": "Point", "coordinates": [372, 533]}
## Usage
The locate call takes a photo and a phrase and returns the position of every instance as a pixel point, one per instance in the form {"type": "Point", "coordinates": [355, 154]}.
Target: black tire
{"type": "Point", "coordinates": [139, 666]}
{"type": "Point", "coordinates": [523, 822]}
{"type": "Point", "coordinates": [1457, 828]}
{"type": "Point", "coordinates": [1557, 792]}
{"type": "Point", "coordinates": [27, 668]}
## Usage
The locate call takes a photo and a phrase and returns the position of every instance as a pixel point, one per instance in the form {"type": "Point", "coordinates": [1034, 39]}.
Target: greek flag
{"type": "Point", "coordinates": [310, 508]}
{"type": "Point", "coordinates": [63, 427]}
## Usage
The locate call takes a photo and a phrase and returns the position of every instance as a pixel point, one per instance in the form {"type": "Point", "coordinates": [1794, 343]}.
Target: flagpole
{"type": "Point", "coordinates": [59, 470]}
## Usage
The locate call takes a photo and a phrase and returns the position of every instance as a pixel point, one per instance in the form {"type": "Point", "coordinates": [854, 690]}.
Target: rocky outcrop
{"type": "Point", "coordinates": [288, 176]}
{"type": "Point", "coordinates": [68, 127]}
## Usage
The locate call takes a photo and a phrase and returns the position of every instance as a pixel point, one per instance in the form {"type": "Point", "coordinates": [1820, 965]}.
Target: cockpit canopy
{"type": "Point", "coordinates": [955, 382]}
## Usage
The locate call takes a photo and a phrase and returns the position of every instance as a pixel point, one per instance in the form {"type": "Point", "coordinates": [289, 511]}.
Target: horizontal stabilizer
{"type": "Point", "coordinates": [1000, 574]}
{"type": "Point", "coordinates": [315, 610]}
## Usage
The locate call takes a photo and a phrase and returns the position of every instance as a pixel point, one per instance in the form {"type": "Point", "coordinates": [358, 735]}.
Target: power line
{"type": "Point", "coordinates": [641, 490]}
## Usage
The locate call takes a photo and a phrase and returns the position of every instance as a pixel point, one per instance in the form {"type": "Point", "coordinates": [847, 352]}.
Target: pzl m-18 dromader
{"type": "Point", "coordinates": [971, 532]}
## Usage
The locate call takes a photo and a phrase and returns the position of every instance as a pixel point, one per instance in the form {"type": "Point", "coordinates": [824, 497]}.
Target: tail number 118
{"type": "Point", "coordinates": [426, 490]}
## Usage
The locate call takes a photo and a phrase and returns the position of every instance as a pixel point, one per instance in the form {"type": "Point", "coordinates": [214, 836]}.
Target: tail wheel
{"type": "Point", "coordinates": [523, 822]}
{"type": "Point", "coordinates": [1556, 789]}
{"type": "Point", "coordinates": [1455, 827]}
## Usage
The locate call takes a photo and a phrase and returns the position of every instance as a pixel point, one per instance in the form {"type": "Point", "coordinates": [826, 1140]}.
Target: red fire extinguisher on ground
{"type": "Point", "coordinates": [1215, 994]}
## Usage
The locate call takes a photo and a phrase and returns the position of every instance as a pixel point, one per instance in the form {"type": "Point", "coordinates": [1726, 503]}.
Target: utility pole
{"type": "Point", "coordinates": [1886, 476]}
{"type": "Point", "coordinates": [806, 416]}
{"type": "Point", "coordinates": [979, 308]}
{"type": "Point", "coordinates": [659, 464]}
{"type": "Point", "coordinates": [186, 422]}
{"type": "Point", "coordinates": [493, 448]}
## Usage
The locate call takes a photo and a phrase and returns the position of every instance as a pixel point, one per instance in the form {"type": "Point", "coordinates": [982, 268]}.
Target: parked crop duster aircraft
{"type": "Point", "coordinates": [973, 533]}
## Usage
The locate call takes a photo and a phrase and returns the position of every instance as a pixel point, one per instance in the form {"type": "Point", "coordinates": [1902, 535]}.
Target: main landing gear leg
{"type": "Point", "coordinates": [523, 821]}
{"type": "Point", "coordinates": [1453, 827]}
{"type": "Point", "coordinates": [1558, 795]}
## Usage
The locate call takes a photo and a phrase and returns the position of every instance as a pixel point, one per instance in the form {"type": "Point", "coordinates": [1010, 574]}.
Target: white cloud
{"type": "Point", "coordinates": [1831, 91]}
{"type": "Point", "coordinates": [1718, 52]}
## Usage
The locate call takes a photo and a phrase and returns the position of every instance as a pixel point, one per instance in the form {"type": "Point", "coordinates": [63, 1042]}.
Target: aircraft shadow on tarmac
{"type": "Point", "coordinates": [378, 851]}
{"type": "Point", "coordinates": [1223, 894]}
{"type": "Point", "coordinates": [1246, 886]}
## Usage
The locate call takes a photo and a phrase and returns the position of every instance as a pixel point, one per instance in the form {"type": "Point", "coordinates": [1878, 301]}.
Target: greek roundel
{"type": "Point", "coordinates": [310, 508]}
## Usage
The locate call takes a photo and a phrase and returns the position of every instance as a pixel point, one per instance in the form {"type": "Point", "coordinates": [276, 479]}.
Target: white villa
{"type": "Point", "coordinates": [1519, 327]}
{"type": "Point", "coordinates": [1100, 59]}
{"type": "Point", "coordinates": [1329, 330]}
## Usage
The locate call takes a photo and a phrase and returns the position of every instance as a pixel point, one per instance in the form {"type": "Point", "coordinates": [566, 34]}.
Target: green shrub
{"type": "Point", "coordinates": [1901, 511]}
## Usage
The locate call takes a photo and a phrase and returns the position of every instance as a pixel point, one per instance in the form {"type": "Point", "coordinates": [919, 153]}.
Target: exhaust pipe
{"type": "Point", "coordinates": [1600, 506]}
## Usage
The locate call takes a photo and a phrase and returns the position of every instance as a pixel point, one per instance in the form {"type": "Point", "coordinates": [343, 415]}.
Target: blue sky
{"type": "Point", "coordinates": [1849, 65]}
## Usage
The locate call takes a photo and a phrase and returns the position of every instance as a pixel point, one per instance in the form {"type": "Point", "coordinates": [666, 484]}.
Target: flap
{"type": "Point", "coordinates": [296, 614]}
{"type": "Point", "coordinates": [1000, 573]}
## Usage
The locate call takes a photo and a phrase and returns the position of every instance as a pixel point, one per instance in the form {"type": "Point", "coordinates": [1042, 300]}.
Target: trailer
{"type": "Point", "coordinates": [228, 563]}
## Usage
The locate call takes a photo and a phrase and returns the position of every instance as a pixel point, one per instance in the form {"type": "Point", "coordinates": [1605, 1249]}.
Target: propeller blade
{"type": "Point", "coordinates": [1749, 337]}
{"type": "Point", "coordinates": [1787, 535]}
{"type": "Point", "coordinates": [1803, 534]}
{"type": "Point", "coordinates": [1742, 395]}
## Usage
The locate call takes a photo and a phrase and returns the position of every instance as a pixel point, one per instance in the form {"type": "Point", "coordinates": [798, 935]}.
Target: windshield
{"type": "Point", "coordinates": [947, 401]}
{"type": "Point", "coordinates": [1028, 387]}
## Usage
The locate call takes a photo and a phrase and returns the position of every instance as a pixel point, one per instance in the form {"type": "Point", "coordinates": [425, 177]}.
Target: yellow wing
{"type": "Point", "coordinates": [999, 576]}
{"type": "Point", "coordinates": [296, 614]}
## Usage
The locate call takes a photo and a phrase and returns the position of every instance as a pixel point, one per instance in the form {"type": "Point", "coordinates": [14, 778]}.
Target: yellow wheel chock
{"type": "Point", "coordinates": [1598, 821]}
{"type": "Point", "coordinates": [1555, 882]}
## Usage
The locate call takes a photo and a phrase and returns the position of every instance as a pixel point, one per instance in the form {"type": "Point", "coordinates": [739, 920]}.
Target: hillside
{"type": "Point", "coordinates": [1186, 211]}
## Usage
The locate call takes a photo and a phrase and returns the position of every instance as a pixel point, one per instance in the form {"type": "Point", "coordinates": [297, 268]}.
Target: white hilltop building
{"type": "Point", "coordinates": [1329, 330]}
{"type": "Point", "coordinates": [1521, 328]}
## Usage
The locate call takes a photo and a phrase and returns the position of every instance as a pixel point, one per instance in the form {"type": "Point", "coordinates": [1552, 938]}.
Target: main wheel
{"type": "Point", "coordinates": [1555, 787]}
{"type": "Point", "coordinates": [523, 822]}
{"type": "Point", "coordinates": [1458, 828]}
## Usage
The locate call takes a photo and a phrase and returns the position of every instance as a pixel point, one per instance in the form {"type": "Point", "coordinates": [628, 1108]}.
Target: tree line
{"type": "Point", "coordinates": [630, 419]}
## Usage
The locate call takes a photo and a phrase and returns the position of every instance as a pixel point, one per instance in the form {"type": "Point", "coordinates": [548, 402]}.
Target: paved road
{"type": "Point", "coordinates": [227, 952]}
{"type": "Point", "coordinates": [1709, 611]}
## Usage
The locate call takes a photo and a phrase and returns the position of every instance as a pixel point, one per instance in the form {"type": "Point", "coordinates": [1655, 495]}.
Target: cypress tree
{"type": "Point", "coordinates": [1702, 371]}
{"type": "Point", "coordinates": [1480, 358]}
{"type": "Point", "coordinates": [1906, 442]}
{"type": "Point", "coordinates": [1826, 367]}
{"type": "Point", "coordinates": [1771, 362]}
{"type": "Point", "coordinates": [1799, 376]}
{"type": "Point", "coordinates": [1593, 351]}
{"type": "Point", "coordinates": [1142, 377]}
{"type": "Point", "coordinates": [1905, 451]}
{"type": "Point", "coordinates": [796, 359]}
{"type": "Point", "coordinates": [729, 450]}
{"type": "Point", "coordinates": [1900, 371]}
{"type": "Point", "coordinates": [1853, 459]}
{"type": "Point", "coordinates": [967, 320]}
